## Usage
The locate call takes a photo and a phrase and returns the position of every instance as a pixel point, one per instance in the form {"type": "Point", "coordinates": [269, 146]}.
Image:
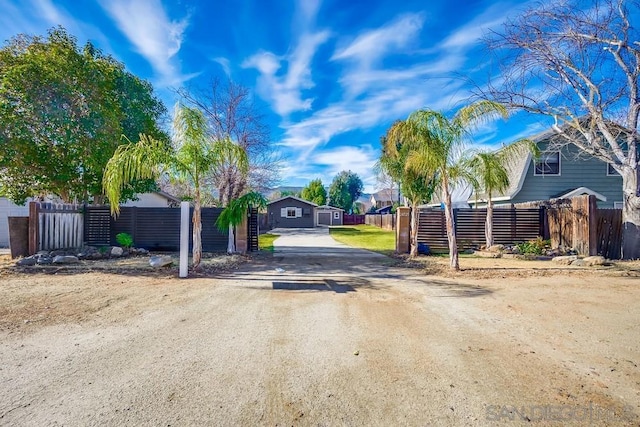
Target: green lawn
{"type": "Point", "coordinates": [265, 242]}
{"type": "Point", "coordinates": [366, 237]}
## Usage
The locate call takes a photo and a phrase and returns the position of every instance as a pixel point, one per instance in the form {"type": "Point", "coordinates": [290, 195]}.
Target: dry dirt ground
{"type": "Point", "coordinates": [321, 341]}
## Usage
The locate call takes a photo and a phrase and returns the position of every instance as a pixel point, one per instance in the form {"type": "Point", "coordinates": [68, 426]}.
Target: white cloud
{"type": "Point", "coordinates": [284, 91]}
{"type": "Point", "coordinates": [374, 44]}
{"type": "Point", "coordinates": [156, 37]}
{"type": "Point", "coordinates": [225, 64]}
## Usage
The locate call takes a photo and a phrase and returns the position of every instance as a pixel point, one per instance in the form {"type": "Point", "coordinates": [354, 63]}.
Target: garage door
{"type": "Point", "coordinates": [324, 218]}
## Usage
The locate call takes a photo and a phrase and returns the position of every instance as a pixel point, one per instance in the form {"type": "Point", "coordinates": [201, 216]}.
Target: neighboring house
{"type": "Point", "coordinates": [558, 173]}
{"type": "Point", "coordinates": [329, 215]}
{"type": "Point", "coordinates": [386, 197]}
{"type": "Point", "coordinates": [291, 212]}
{"type": "Point", "coordinates": [363, 203]}
{"type": "Point", "coordinates": [383, 211]}
{"type": "Point", "coordinates": [156, 199]}
{"type": "Point", "coordinates": [7, 209]}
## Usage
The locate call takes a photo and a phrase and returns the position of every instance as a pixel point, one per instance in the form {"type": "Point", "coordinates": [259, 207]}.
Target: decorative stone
{"type": "Point", "coordinates": [579, 263]}
{"type": "Point", "coordinates": [484, 254]}
{"type": "Point", "coordinates": [26, 261]}
{"type": "Point", "coordinates": [565, 260]}
{"type": "Point", "coordinates": [595, 260]}
{"type": "Point", "coordinates": [496, 248]}
{"type": "Point", "coordinates": [159, 261]}
{"type": "Point", "coordinates": [116, 251]}
{"type": "Point", "coordinates": [65, 259]}
{"type": "Point", "coordinates": [45, 260]}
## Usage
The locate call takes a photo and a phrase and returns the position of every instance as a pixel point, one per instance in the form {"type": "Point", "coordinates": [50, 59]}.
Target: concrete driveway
{"type": "Point", "coordinates": [305, 242]}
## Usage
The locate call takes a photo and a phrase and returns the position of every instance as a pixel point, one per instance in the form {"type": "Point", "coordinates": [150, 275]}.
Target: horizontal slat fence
{"type": "Point", "coordinates": [509, 226]}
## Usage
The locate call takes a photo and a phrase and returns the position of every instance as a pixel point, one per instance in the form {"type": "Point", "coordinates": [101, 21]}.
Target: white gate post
{"type": "Point", "coordinates": [184, 238]}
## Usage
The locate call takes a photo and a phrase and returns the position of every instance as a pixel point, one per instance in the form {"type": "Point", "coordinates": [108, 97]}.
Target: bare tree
{"type": "Point", "coordinates": [231, 112]}
{"type": "Point", "coordinates": [578, 62]}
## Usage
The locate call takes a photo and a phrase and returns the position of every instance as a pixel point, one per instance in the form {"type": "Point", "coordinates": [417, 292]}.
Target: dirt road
{"type": "Point", "coordinates": [319, 340]}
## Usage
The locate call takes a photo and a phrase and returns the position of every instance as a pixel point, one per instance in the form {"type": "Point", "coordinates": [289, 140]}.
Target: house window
{"type": "Point", "coordinates": [548, 164]}
{"type": "Point", "coordinates": [611, 171]}
{"type": "Point", "coordinates": [291, 212]}
{"type": "Point", "coordinates": [336, 215]}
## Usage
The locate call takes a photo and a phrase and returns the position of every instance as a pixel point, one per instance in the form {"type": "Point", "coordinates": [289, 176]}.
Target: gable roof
{"type": "Point", "coordinates": [329, 207]}
{"type": "Point", "coordinates": [567, 194]}
{"type": "Point", "coordinates": [386, 195]}
{"type": "Point", "coordinates": [294, 198]}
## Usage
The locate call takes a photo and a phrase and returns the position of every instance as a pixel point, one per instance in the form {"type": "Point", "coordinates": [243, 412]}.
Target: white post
{"type": "Point", "coordinates": [184, 238]}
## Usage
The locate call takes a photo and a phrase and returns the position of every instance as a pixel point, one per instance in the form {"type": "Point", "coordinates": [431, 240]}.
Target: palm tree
{"type": "Point", "coordinates": [235, 213]}
{"type": "Point", "coordinates": [417, 187]}
{"type": "Point", "coordinates": [192, 156]}
{"type": "Point", "coordinates": [490, 171]}
{"type": "Point", "coordinates": [437, 145]}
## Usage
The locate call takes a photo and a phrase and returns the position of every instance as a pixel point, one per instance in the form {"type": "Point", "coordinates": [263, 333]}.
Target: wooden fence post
{"type": "Point", "coordinates": [585, 225]}
{"type": "Point", "coordinates": [34, 228]}
{"type": "Point", "coordinates": [403, 223]}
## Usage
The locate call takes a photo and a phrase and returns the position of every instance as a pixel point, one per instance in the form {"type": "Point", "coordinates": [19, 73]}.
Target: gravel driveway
{"type": "Point", "coordinates": [325, 335]}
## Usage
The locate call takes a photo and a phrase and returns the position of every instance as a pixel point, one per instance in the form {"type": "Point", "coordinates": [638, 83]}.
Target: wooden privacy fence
{"type": "Point", "coordinates": [509, 226]}
{"type": "Point", "coordinates": [54, 226]}
{"type": "Point", "coordinates": [352, 219]}
{"type": "Point", "coordinates": [386, 221]}
{"type": "Point", "coordinates": [61, 226]}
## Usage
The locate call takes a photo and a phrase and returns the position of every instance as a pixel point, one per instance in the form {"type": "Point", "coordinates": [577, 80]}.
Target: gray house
{"type": "Point", "coordinates": [291, 212]}
{"type": "Point", "coordinates": [329, 215]}
{"type": "Point", "coordinates": [559, 172]}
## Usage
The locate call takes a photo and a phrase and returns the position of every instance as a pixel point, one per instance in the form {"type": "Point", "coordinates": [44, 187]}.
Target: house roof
{"type": "Point", "coordinates": [567, 194]}
{"type": "Point", "coordinates": [386, 195]}
{"type": "Point", "coordinates": [168, 196]}
{"type": "Point", "coordinates": [329, 207]}
{"type": "Point", "coordinates": [294, 198]}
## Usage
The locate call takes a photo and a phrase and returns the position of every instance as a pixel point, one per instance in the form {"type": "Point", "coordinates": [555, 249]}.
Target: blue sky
{"type": "Point", "coordinates": [330, 76]}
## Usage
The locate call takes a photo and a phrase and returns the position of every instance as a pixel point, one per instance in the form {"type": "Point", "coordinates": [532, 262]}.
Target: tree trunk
{"type": "Point", "coordinates": [197, 231]}
{"type": "Point", "coordinates": [630, 215]}
{"type": "Point", "coordinates": [231, 246]}
{"type": "Point", "coordinates": [488, 226]}
{"type": "Point", "coordinates": [451, 230]}
{"type": "Point", "coordinates": [414, 230]}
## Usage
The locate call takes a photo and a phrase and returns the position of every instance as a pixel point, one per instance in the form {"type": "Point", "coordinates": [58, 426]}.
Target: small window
{"type": "Point", "coordinates": [336, 215]}
{"type": "Point", "coordinates": [291, 212]}
{"type": "Point", "coordinates": [548, 164]}
{"type": "Point", "coordinates": [611, 171]}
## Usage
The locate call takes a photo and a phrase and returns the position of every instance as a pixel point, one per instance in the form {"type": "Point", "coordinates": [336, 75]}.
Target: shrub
{"type": "Point", "coordinates": [124, 240]}
{"type": "Point", "coordinates": [535, 246]}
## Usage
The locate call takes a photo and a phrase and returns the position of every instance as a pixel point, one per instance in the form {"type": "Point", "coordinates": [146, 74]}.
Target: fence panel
{"type": "Point", "coordinates": [97, 226]}
{"type": "Point", "coordinates": [386, 221]}
{"type": "Point", "coordinates": [353, 219]}
{"type": "Point", "coordinates": [55, 226]}
{"type": "Point", "coordinates": [609, 229]}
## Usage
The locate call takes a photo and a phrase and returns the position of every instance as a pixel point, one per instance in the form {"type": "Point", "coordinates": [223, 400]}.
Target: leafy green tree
{"type": "Point", "coordinates": [315, 192]}
{"type": "Point", "coordinates": [490, 170]}
{"type": "Point", "coordinates": [63, 111]}
{"type": "Point", "coordinates": [345, 190]}
{"type": "Point", "coordinates": [236, 212]}
{"type": "Point", "coordinates": [435, 144]}
{"type": "Point", "coordinates": [193, 155]}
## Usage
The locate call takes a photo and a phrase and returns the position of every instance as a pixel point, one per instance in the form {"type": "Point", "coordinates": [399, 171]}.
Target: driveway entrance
{"type": "Point", "coordinates": [316, 242]}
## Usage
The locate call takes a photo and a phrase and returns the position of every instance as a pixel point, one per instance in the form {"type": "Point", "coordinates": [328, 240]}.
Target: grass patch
{"type": "Point", "coordinates": [366, 237]}
{"type": "Point", "coordinates": [265, 242]}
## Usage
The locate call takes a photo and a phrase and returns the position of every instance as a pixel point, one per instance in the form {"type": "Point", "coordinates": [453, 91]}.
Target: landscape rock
{"type": "Point", "coordinates": [565, 260]}
{"type": "Point", "coordinates": [26, 261]}
{"type": "Point", "coordinates": [116, 251]}
{"type": "Point", "coordinates": [579, 263]}
{"type": "Point", "coordinates": [496, 248]}
{"type": "Point", "coordinates": [484, 254]}
{"type": "Point", "coordinates": [65, 259]}
{"type": "Point", "coordinates": [159, 261]}
{"type": "Point", "coordinates": [45, 260]}
{"type": "Point", "coordinates": [595, 260]}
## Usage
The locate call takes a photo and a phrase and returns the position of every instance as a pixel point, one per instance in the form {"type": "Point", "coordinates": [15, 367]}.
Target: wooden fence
{"type": "Point", "coordinates": [509, 226]}
{"type": "Point", "coordinates": [54, 226]}
{"type": "Point", "coordinates": [62, 226]}
{"type": "Point", "coordinates": [352, 219]}
{"type": "Point", "coordinates": [386, 221]}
